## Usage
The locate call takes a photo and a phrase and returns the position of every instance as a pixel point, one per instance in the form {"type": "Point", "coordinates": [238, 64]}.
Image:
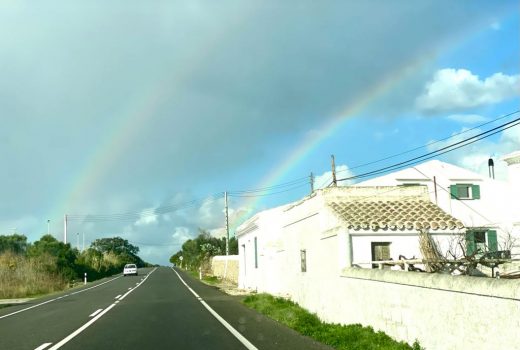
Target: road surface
{"type": "Point", "coordinates": [162, 308]}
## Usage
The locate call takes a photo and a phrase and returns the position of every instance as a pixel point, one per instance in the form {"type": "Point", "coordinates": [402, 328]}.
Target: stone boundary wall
{"type": "Point", "coordinates": [227, 271]}
{"type": "Point", "coordinates": [440, 311]}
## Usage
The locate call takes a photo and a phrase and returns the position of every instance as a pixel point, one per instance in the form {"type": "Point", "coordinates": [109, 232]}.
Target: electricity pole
{"type": "Point", "coordinates": [333, 164]}
{"type": "Point", "coordinates": [227, 222]}
{"type": "Point", "coordinates": [65, 229]}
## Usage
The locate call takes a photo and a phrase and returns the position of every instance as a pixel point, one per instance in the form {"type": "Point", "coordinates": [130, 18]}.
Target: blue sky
{"type": "Point", "coordinates": [125, 107]}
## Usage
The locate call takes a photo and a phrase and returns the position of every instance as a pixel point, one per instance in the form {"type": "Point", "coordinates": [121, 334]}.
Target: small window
{"type": "Point", "coordinates": [480, 241]}
{"type": "Point", "coordinates": [380, 251]}
{"type": "Point", "coordinates": [465, 191]}
{"type": "Point", "coordinates": [256, 253]}
{"type": "Point", "coordinates": [303, 260]}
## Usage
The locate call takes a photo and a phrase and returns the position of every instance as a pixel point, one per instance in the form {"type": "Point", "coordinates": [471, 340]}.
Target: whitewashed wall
{"type": "Point", "coordinates": [225, 267]}
{"type": "Point", "coordinates": [442, 312]}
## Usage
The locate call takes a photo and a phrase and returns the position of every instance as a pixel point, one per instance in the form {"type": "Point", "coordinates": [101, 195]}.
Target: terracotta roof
{"type": "Point", "coordinates": [394, 215]}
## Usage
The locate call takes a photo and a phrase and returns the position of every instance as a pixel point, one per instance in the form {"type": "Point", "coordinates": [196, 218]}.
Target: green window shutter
{"type": "Point", "coordinates": [475, 191]}
{"type": "Point", "coordinates": [492, 240]}
{"type": "Point", "coordinates": [453, 191]}
{"type": "Point", "coordinates": [470, 243]}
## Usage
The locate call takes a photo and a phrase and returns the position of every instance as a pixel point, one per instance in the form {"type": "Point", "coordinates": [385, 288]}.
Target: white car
{"type": "Point", "coordinates": [130, 269]}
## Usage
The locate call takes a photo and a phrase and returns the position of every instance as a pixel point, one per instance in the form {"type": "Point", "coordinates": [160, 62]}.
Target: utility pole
{"type": "Point", "coordinates": [312, 183]}
{"type": "Point", "coordinates": [83, 241]}
{"type": "Point", "coordinates": [227, 222]}
{"type": "Point", "coordinates": [65, 229]}
{"type": "Point", "coordinates": [333, 164]}
{"type": "Point", "coordinates": [77, 240]}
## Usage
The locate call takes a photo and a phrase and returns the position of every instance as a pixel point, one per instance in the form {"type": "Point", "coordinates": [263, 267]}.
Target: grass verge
{"type": "Point", "coordinates": [348, 337]}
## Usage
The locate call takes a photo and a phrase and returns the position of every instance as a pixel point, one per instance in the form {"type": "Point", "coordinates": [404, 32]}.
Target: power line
{"type": "Point", "coordinates": [431, 143]}
{"type": "Point", "coordinates": [438, 152]}
{"type": "Point", "coordinates": [270, 193]}
{"type": "Point", "coordinates": [268, 188]}
{"type": "Point", "coordinates": [130, 216]}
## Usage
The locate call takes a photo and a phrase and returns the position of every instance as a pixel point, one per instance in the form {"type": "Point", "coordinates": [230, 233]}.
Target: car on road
{"type": "Point", "coordinates": [130, 269]}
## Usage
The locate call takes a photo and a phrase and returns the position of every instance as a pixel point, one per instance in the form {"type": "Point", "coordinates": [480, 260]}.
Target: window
{"type": "Point", "coordinates": [465, 191]}
{"type": "Point", "coordinates": [256, 253]}
{"type": "Point", "coordinates": [380, 251]}
{"type": "Point", "coordinates": [303, 260]}
{"type": "Point", "coordinates": [480, 241]}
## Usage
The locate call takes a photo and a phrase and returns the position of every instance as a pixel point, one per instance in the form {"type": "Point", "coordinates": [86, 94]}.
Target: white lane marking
{"type": "Point", "coordinates": [95, 313]}
{"type": "Point", "coordinates": [117, 296]}
{"type": "Point", "coordinates": [229, 327]}
{"type": "Point", "coordinates": [43, 346]}
{"type": "Point", "coordinates": [58, 298]}
{"type": "Point", "coordinates": [89, 323]}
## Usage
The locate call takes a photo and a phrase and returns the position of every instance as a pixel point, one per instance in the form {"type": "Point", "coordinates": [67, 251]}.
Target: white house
{"type": "Point", "coordinates": [288, 249]}
{"type": "Point", "coordinates": [488, 208]}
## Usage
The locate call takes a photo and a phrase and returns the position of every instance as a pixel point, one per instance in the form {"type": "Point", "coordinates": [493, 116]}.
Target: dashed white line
{"type": "Point", "coordinates": [229, 327]}
{"type": "Point", "coordinates": [86, 325]}
{"type": "Point", "coordinates": [58, 298]}
{"type": "Point", "coordinates": [95, 313]}
{"type": "Point", "coordinates": [118, 296]}
{"type": "Point", "coordinates": [43, 346]}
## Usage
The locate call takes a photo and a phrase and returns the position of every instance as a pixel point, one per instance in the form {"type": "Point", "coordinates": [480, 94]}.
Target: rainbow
{"type": "Point", "coordinates": [391, 80]}
{"type": "Point", "coordinates": [123, 129]}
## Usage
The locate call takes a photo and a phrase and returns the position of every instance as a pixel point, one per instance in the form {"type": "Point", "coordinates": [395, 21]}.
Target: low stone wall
{"type": "Point", "coordinates": [440, 311]}
{"type": "Point", "coordinates": [225, 267]}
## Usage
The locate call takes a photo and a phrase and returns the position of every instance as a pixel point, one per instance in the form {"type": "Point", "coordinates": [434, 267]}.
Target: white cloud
{"type": "Point", "coordinates": [323, 180]}
{"type": "Point", "coordinates": [475, 156]}
{"type": "Point", "coordinates": [455, 89]}
{"type": "Point", "coordinates": [182, 234]}
{"type": "Point", "coordinates": [468, 118]}
{"type": "Point", "coordinates": [147, 217]}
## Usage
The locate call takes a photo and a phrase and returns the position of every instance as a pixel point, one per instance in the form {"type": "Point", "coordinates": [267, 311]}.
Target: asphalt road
{"type": "Point", "coordinates": [161, 308]}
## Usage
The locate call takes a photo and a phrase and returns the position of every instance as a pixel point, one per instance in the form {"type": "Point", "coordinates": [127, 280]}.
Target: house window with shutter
{"type": "Point", "coordinates": [465, 191]}
{"type": "Point", "coordinates": [303, 260]}
{"type": "Point", "coordinates": [480, 241]}
{"type": "Point", "coordinates": [256, 253]}
{"type": "Point", "coordinates": [380, 251]}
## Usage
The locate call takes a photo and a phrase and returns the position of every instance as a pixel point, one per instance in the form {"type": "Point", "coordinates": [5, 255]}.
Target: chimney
{"type": "Point", "coordinates": [491, 166]}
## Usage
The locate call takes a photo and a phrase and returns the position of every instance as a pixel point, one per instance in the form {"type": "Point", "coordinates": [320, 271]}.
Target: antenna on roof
{"type": "Point", "coordinates": [491, 166]}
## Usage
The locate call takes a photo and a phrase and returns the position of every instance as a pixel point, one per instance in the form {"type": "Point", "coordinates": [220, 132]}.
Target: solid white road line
{"type": "Point", "coordinates": [58, 298]}
{"type": "Point", "coordinates": [230, 328]}
{"type": "Point", "coordinates": [95, 313]}
{"type": "Point", "coordinates": [86, 325]}
{"type": "Point", "coordinates": [43, 346]}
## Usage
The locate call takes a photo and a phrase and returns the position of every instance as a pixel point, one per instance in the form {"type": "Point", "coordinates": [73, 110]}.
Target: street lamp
{"type": "Point", "coordinates": [48, 226]}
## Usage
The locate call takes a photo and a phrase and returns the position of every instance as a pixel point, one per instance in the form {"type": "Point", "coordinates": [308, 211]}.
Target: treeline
{"type": "Point", "coordinates": [197, 252]}
{"type": "Point", "coordinates": [49, 265]}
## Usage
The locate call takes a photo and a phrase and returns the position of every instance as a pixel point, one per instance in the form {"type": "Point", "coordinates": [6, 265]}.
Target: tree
{"type": "Point", "coordinates": [115, 245]}
{"type": "Point", "coordinates": [64, 254]}
{"type": "Point", "coordinates": [15, 243]}
{"type": "Point", "coordinates": [198, 251]}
